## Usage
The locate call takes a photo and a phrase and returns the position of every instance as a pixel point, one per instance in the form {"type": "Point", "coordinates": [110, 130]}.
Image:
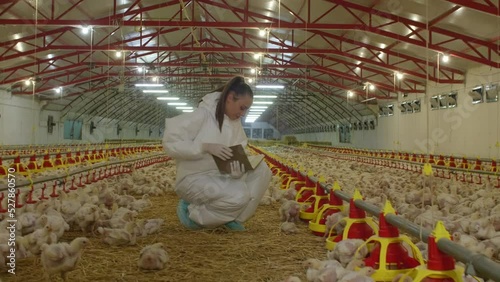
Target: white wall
{"type": "Point", "coordinates": [470, 130]}
{"type": "Point", "coordinates": [23, 121]}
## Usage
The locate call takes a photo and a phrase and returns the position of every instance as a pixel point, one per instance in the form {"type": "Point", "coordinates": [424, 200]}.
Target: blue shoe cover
{"type": "Point", "coordinates": [236, 226]}
{"type": "Point", "coordinates": [183, 214]}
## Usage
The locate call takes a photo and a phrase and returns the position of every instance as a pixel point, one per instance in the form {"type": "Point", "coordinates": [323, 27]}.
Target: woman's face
{"type": "Point", "coordinates": [236, 108]}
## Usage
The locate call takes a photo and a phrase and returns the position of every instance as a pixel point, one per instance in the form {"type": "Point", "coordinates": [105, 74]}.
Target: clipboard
{"type": "Point", "coordinates": [250, 162]}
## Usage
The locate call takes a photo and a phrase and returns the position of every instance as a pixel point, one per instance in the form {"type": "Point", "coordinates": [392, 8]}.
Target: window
{"type": "Point", "coordinates": [257, 133]}
{"type": "Point", "coordinates": [73, 129]}
{"type": "Point", "coordinates": [344, 134]}
{"type": "Point", "coordinates": [268, 133]}
{"type": "Point", "coordinates": [247, 132]}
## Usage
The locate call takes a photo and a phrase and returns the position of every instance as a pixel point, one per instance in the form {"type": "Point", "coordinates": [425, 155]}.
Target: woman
{"type": "Point", "coordinates": [208, 198]}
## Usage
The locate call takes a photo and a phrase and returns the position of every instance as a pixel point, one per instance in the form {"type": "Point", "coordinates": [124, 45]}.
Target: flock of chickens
{"type": "Point", "coordinates": [107, 209]}
{"type": "Point", "coordinates": [470, 212]}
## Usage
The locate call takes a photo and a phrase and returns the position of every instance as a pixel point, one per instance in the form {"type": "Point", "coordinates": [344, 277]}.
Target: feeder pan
{"type": "Point", "coordinates": [440, 267]}
{"type": "Point", "coordinates": [388, 257]}
{"type": "Point", "coordinates": [317, 201]}
{"type": "Point", "coordinates": [334, 205]}
{"type": "Point", "coordinates": [358, 226]}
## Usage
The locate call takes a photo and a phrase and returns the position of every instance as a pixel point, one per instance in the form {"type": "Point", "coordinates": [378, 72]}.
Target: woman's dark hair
{"type": "Point", "coordinates": [239, 87]}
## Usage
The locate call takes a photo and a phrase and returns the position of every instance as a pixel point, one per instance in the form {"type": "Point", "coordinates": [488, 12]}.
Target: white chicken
{"type": "Point", "coordinates": [119, 237]}
{"type": "Point", "coordinates": [86, 216]}
{"type": "Point", "coordinates": [153, 257]}
{"type": "Point", "coordinates": [39, 237]}
{"type": "Point", "coordinates": [55, 221]}
{"type": "Point", "coordinates": [62, 257]}
{"type": "Point", "coordinates": [151, 226]}
{"type": "Point", "coordinates": [141, 204]}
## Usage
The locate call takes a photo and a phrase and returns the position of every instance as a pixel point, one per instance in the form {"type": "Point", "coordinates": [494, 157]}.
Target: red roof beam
{"type": "Point", "coordinates": [489, 8]}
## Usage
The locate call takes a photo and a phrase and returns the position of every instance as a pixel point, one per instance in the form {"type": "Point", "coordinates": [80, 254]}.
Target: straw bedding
{"type": "Point", "coordinates": [262, 253]}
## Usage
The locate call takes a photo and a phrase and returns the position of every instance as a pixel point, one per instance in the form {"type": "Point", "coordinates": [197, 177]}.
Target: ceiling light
{"type": "Point", "coordinates": [148, 85]}
{"type": "Point", "coordinates": [184, 108]}
{"type": "Point", "coordinates": [154, 91]}
{"type": "Point", "coordinates": [168, 98]}
{"type": "Point", "coordinates": [371, 87]}
{"type": "Point", "coordinates": [269, 86]}
{"type": "Point", "coordinates": [399, 75]}
{"type": "Point", "coordinates": [177, 104]}
{"type": "Point", "coordinates": [252, 70]}
{"type": "Point", "coordinates": [154, 78]}
{"type": "Point", "coordinates": [445, 58]}
{"type": "Point", "coordinates": [265, 96]}
{"type": "Point", "coordinates": [118, 54]}
{"type": "Point", "coordinates": [86, 29]}
{"type": "Point", "coordinates": [27, 82]}
{"type": "Point", "coordinates": [350, 93]}
{"type": "Point", "coordinates": [256, 56]}
{"type": "Point", "coordinates": [262, 32]}
{"type": "Point", "coordinates": [187, 111]}
{"type": "Point", "coordinates": [258, 107]}
{"type": "Point", "coordinates": [58, 90]}
{"type": "Point", "coordinates": [257, 110]}
{"type": "Point", "coordinates": [140, 69]}
{"type": "Point", "coordinates": [263, 102]}
{"type": "Point", "coordinates": [250, 80]}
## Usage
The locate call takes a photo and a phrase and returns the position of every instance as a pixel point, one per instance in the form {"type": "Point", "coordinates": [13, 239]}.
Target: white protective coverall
{"type": "Point", "coordinates": [215, 199]}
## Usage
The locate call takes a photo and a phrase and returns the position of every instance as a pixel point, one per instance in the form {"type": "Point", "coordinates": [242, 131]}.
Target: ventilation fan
{"type": "Point", "coordinates": [355, 126]}
{"type": "Point", "coordinates": [137, 130]}
{"type": "Point", "coordinates": [365, 125]}
{"type": "Point", "coordinates": [477, 94]}
{"type": "Point", "coordinates": [50, 124]}
{"type": "Point", "coordinates": [372, 124]}
{"type": "Point", "coordinates": [118, 129]}
{"type": "Point", "coordinates": [434, 103]}
{"type": "Point", "coordinates": [415, 104]}
{"type": "Point", "coordinates": [150, 132]}
{"type": "Point", "coordinates": [92, 127]}
{"type": "Point", "coordinates": [402, 107]}
{"type": "Point", "coordinates": [492, 93]}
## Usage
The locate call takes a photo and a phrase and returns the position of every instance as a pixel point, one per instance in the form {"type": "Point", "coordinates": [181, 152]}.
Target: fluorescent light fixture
{"type": "Point", "coordinates": [369, 99]}
{"type": "Point", "coordinates": [249, 121]}
{"type": "Point", "coordinates": [265, 96]}
{"type": "Point", "coordinates": [258, 107]}
{"type": "Point", "coordinates": [269, 86]}
{"type": "Point", "coordinates": [257, 110]}
{"type": "Point", "coordinates": [177, 104]}
{"type": "Point", "coordinates": [154, 91]}
{"type": "Point", "coordinates": [118, 54]}
{"type": "Point", "coordinates": [263, 102]}
{"type": "Point", "coordinates": [148, 85]}
{"type": "Point", "coordinates": [168, 98]}
{"type": "Point", "coordinates": [187, 111]}
{"type": "Point", "coordinates": [184, 108]}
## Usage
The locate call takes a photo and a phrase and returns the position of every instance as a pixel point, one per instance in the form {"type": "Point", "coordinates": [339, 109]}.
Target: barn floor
{"type": "Point", "coordinates": [262, 253]}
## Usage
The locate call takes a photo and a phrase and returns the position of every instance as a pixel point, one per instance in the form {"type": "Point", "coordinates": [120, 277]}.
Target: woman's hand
{"type": "Point", "coordinates": [237, 169]}
{"type": "Point", "coordinates": [218, 150]}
